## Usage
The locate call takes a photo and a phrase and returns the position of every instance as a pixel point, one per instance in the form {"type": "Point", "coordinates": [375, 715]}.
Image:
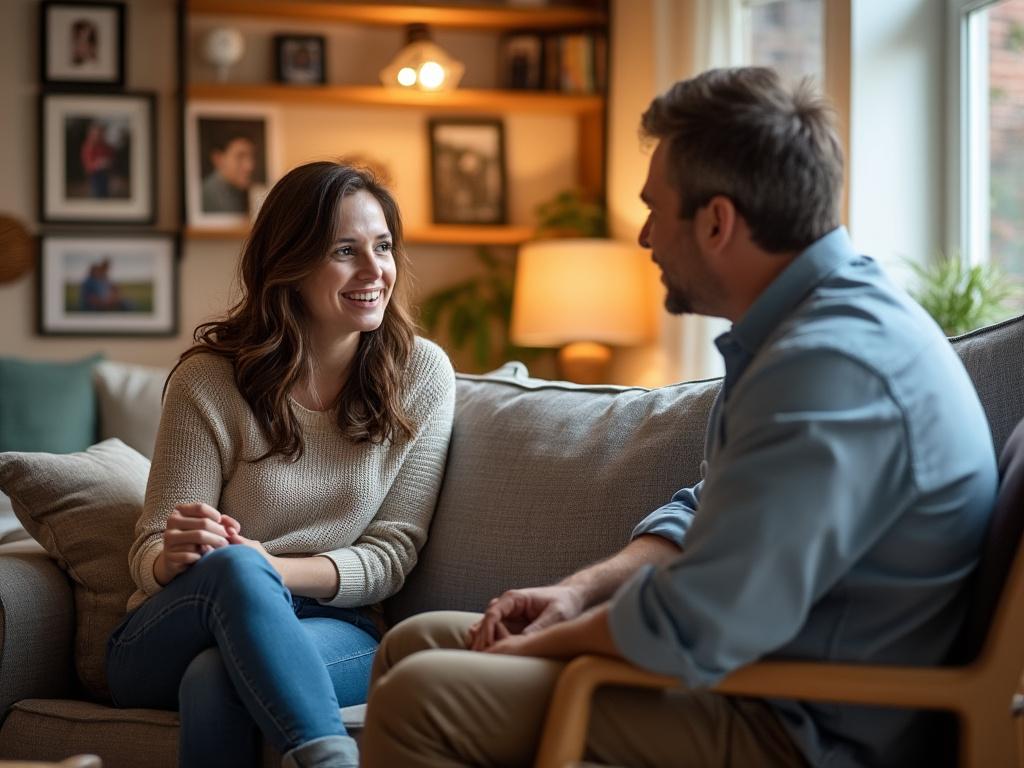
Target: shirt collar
{"type": "Point", "coordinates": [787, 290]}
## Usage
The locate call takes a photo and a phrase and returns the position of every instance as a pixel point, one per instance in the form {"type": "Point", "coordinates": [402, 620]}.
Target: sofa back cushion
{"type": "Point", "coordinates": [994, 358]}
{"type": "Point", "coordinates": [129, 399]}
{"type": "Point", "coordinates": [47, 406]}
{"type": "Point", "coordinates": [545, 477]}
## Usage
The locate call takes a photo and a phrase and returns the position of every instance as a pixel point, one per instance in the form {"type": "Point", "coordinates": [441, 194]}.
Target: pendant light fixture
{"type": "Point", "coordinates": [422, 64]}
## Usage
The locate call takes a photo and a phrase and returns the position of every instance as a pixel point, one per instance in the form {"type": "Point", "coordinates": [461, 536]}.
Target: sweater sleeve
{"type": "Point", "coordinates": [374, 567]}
{"type": "Point", "coordinates": [189, 458]}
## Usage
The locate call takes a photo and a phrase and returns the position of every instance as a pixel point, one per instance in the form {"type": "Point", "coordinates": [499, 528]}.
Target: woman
{"type": "Point", "coordinates": [296, 468]}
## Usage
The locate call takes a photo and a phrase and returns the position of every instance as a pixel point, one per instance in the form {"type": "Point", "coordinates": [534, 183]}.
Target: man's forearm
{"type": "Point", "coordinates": [598, 582]}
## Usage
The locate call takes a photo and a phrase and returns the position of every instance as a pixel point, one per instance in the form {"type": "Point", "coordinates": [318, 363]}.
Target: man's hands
{"type": "Point", "coordinates": [192, 531]}
{"type": "Point", "coordinates": [525, 611]}
{"type": "Point", "coordinates": [587, 633]}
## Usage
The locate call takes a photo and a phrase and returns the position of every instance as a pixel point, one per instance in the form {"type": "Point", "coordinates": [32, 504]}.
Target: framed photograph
{"type": "Point", "coordinates": [108, 285]}
{"type": "Point", "coordinates": [81, 43]}
{"type": "Point", "coordinates": [300, 59]}
{"type": "Point", "coordinates": [97, 158]}
{"type": "Point", "coordinates": [467, 167]}
{"type": "Point", "coordinates": [521, 61]}
{"type": "Point", "coordinates": [231, 160]}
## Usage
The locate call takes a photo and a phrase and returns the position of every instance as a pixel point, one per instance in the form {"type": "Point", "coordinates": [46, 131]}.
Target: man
{"type": "Point", "coordinates": [226, 187]}
{"type": "Point", "coordinates": [848, 481]}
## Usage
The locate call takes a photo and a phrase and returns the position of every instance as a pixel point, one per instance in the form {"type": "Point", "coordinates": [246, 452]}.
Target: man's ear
{"type": "Point", "coordinates": [715, 224]}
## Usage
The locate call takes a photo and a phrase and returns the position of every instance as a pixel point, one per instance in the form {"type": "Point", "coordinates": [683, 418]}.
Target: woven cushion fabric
{"type": "Point", "coordinates": [52, 729]}
{"type": "Point", "coordinates": [129, 399]}
{"type": "Point", "coordinates": [543, 478]}
{"type": "Point", "coordinates": [994, 358]}
{"type": "Point", "coordinates": [47, 406]}
{"type": "Point", "coordinates": [82, 507]}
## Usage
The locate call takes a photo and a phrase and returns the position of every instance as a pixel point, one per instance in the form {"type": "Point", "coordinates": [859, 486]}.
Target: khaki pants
{"type": "Point", "coordinates": [433, 703]}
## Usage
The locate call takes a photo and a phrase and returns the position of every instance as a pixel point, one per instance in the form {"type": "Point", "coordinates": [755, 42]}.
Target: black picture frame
{"type": "Point", "coordinates": [97, 157]}
{"type": "Point", "coordinates": [82, 44]}
{"type": "Point", "coordinates": [468, 171]}
{"type": "Point", "coordinates": [300, 59]}
{"type": "Point", "coordinates": [108, 284]}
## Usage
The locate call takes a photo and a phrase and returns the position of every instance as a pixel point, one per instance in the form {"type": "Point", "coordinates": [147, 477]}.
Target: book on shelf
{"type": "Point", "coordinates": [568, 62]}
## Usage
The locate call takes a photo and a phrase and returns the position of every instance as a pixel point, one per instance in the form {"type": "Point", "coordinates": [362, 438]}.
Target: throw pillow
{"type": "Point", "coordinates": [47, 406]}
{"type": "Point", "coordinates": [129, 399]}
{"type": "Point", "coordinates": [82, 507]}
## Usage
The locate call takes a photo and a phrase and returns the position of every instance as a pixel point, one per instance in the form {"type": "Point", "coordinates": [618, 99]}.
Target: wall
{"type": "Point", "coordinates": [540, 154]}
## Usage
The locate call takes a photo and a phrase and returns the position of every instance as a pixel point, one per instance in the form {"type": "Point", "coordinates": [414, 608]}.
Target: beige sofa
{"type": "Point", "coordinates": [542, 478]}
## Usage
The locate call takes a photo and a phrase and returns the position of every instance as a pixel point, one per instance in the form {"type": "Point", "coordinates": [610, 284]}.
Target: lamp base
{"type": "Point", "coordinates": [585, 362]}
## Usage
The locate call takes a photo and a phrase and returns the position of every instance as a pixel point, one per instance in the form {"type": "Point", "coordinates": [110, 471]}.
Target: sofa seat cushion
{"type": "Point", "coordinates": [82, 507]}
{"type": "Point", "coordinates": [52, 729]}
{"type": "Point", "coordinates": [546, 477]}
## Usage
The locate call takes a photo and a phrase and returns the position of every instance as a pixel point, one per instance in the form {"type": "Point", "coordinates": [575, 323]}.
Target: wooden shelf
{"type": "Point", "coordinates": [434, 234]}
{"type": "Point", "coordinates": [464, 100]}
{"type": "Point", "coordinates": [391, 15]}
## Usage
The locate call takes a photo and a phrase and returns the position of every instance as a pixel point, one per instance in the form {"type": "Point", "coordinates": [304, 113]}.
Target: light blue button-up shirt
{"type": "Point", "coordinates": [848, 479]}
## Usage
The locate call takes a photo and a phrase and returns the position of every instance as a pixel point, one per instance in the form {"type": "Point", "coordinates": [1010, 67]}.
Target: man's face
{"type": "Point", "coordinates": [236, 162]}
{"type": "Point", "coordinates": [673, 244]}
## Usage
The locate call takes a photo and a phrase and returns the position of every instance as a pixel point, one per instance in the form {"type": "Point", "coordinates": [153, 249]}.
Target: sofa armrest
{"type": "Point", "coordinates": [37, 626]}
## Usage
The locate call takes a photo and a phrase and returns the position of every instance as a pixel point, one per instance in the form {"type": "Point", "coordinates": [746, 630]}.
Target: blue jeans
{"type": "Point", "coordinates": [227, 645]}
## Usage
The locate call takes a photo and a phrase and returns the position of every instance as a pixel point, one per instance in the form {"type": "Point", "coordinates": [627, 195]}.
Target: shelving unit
{"type": "Point", "coordinates": [588, 110]}
{"type": "Point", "coordinates": [386, 14]}
{"type": "Point", "coordinates": [462, 100]}
{"type": "Point", "coordinates": [435, 234]}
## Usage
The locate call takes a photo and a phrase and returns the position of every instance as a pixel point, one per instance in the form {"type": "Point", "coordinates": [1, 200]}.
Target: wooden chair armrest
{"type": "Point", "coordinates": [565, 728]}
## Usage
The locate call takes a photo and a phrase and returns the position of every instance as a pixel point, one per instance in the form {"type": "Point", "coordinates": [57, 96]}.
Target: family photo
{"type": "Point", "coordinates": [230, 158]}
{"type": "Point", "coordinates": [108, 285]}
{"type": "Point", "coordinates": [83, 43]}
{"type": "Point", "coordinates": [467, 160]}
{"type": "Point", "coordinates": [98, 157]}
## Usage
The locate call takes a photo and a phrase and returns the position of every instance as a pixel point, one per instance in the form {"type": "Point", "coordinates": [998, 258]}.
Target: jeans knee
{"type": "Point", "coordinates": [237, 570]}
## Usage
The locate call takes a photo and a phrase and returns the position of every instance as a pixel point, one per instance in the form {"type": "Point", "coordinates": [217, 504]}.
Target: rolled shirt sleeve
{"type": "Point", "coordinates": [674, 519]}
{"type": "Point", "coordinates": [813, 472]}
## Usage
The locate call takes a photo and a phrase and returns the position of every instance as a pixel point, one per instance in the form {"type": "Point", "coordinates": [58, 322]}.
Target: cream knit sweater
{"type": "Point", "coordinates": [365, 506]}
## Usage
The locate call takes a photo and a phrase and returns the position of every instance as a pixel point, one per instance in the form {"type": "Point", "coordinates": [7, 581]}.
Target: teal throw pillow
{"type": "Point", "coordinates": [47, 406]}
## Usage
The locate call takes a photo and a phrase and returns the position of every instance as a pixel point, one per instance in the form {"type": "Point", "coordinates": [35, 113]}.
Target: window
{"type": "Point", "coordinates": [788, 35]}
{"type": "Point", "coordinates": [989, 196]}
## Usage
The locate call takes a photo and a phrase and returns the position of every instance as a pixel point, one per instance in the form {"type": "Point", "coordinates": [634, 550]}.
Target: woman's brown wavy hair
{"type": "Point", "coordinates": [266, 334]}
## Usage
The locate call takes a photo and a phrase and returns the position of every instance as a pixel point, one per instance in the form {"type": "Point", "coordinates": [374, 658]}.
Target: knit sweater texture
{"type": "Point", "coordinates": [366, 506]}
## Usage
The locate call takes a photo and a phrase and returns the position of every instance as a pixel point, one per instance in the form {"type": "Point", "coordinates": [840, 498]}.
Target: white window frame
{"type": "Point", "coordinates": [967, 174]}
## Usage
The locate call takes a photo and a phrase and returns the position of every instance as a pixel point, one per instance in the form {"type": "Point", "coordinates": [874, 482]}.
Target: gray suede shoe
{"type": "Point", "coordinates": [325, 752]}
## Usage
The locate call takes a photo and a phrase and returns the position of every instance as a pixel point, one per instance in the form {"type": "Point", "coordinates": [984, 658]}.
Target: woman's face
{"type": "Point", "coordinates": [348, 293]}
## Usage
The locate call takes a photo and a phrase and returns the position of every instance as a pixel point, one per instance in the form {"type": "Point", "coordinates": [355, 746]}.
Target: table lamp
{"type": "Point", "coordinates": [422, 64]}
{"type": "Point", "coordinates": [581, 295]}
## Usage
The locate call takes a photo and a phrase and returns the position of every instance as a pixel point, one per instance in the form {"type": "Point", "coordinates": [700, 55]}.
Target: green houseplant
{"type": "Point", "coordinates": [477, 312]}
{"type": "Point", "coordinates": [961, 296]}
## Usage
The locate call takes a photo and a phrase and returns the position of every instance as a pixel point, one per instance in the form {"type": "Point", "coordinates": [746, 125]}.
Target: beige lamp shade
{"type": "Point", "coordinates": [581, 290]}
{"type": "Point", "coordinates": [422, 65]}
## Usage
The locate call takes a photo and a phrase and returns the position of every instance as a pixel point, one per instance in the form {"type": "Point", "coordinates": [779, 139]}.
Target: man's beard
{"type": "Point", "coordinates": [677, 302]}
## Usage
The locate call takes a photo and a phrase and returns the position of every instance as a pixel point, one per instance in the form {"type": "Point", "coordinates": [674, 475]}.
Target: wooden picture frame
{"type": "Point", "coordinates": [93, 284]}
{"type": "Point", "coordinates": [467, 168]}
{"type": "Point", "coordinates": [231, 161]}
{"type": "Point", "coordinates": [300, 59]}
{"type": "Point", "coordinates": [82, 44]}
{"type": "Point", "coordinates": [97, 158]}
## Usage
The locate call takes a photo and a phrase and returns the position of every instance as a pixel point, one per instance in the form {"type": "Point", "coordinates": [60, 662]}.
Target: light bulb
{"type": "Point", "coordinates": [431, 75]}
{"type": "Point", "coordinates": [406, 76]}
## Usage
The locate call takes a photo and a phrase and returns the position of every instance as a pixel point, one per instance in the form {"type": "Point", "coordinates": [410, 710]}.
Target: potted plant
{"type": "Point", "coordinates": [961, 296]}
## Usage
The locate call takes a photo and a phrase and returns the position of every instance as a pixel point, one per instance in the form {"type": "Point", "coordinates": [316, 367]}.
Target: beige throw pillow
{"type": "Point", "coordinates": [82, 508]}
{"type": "Point", "coordinates": [129, 398]}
